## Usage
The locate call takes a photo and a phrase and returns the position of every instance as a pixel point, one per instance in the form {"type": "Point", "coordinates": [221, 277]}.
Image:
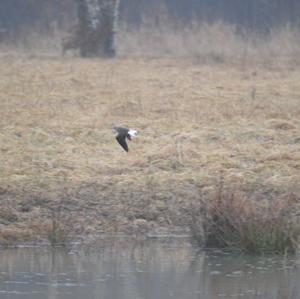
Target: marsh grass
{"type": "Point", "coordinates": [216, 42]}
{"type": "Point", "coordinates": [10, 236]}
{"type": "Point", "coordinates": [57, 228]}
{"type": "Point", "coordinates": [233, 220]}
{"type": "Point", "coordinates": [57, 147]}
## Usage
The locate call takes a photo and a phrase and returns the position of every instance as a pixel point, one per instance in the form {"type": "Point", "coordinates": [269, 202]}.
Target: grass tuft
{"type": "Point", "coordinates": [232, 220]}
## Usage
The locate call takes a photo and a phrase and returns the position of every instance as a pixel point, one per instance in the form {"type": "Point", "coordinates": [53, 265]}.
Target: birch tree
{"type": "Point", "coordinates": [97, 24]}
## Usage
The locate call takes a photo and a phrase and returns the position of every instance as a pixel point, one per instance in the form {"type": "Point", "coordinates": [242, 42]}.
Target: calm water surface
{"type": "Point", "coordinates": [156, 269]}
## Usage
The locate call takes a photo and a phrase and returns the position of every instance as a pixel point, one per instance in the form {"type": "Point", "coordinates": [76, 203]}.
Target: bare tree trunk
{"type": "Point", "coordinates": [97, 20]}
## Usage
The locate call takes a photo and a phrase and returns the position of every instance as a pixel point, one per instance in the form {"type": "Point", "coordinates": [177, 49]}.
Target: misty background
{"type": "Point", "coordinates": [210, 30]}
{"type": "Point", "coordinates": [258, 15]}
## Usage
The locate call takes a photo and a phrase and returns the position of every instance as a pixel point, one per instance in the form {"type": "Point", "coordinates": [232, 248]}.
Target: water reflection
{"type": "Point", "coordinates": [148, 269]}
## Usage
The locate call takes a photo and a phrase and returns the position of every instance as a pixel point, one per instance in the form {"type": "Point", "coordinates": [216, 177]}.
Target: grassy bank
{"type": "Point", "coordinates": [233, 219]}
{"type": "Point", "coordinates": [62, 173]}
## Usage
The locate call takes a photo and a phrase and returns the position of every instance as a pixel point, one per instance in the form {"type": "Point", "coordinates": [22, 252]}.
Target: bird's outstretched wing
{"type": "Point", "coordinates": [122, 141]}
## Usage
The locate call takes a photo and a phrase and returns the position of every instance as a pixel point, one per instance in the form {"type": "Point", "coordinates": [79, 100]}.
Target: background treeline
{"type": "Point", "coordinates": [251, 14]}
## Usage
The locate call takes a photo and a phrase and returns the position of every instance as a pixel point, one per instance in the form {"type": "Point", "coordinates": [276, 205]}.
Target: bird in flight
{"type": "Point", "coordinates": [122, 134]}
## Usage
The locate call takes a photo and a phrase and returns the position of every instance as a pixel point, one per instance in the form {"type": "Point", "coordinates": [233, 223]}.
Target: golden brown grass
{"type": "Point", "coordinates": [57, 146]}
{"type": "Point", "coordinates": [231, 218]}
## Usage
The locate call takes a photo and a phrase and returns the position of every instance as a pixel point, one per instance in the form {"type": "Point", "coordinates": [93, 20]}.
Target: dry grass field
{"type": "Point", "coordinates": [63, 174]}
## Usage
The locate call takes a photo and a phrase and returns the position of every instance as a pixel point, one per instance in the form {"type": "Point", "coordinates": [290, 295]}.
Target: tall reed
{"type": "Point", "coordinates": [233, 220]}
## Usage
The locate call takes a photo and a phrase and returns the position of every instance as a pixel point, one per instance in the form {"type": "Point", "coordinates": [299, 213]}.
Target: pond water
{"type": "Point", "coordinates": [152, 269]}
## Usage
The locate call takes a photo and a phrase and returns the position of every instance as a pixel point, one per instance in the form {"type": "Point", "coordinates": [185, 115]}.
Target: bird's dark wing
{"type": "Point", "coordinates": [122, 141]}
{"type": "Point", "coordinates": [128, 136]}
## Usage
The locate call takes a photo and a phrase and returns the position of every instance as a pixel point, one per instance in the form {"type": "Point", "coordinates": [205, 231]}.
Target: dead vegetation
{"type": "Point", "coordinates": [216, 42]}
{"type": "Point", "coordinates": [57, 146]}
{"type": "Point", "coordinates": [232, 218]}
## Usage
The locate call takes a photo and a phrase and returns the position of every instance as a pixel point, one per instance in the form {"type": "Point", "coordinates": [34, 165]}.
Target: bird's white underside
{"type": "Point", "coordinates": [132, 133]}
